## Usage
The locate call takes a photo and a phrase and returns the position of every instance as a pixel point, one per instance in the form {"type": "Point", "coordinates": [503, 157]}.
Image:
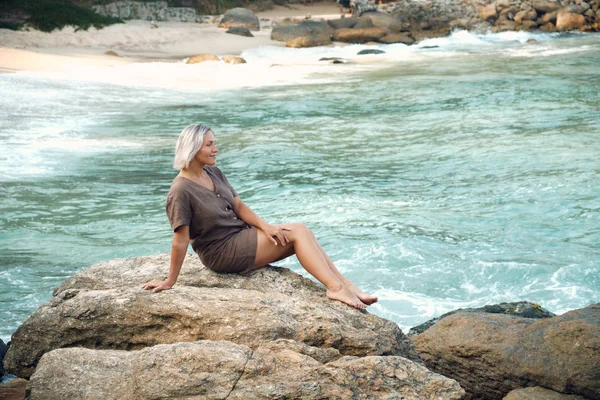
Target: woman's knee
{"type": "Point", "coordinates": [297, 230]}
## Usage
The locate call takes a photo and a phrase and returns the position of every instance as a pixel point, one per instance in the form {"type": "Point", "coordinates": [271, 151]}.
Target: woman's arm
{"type": "Point", "coordinates": [181, 239]}
{"type": "Point", "coordinates": [251, 218]}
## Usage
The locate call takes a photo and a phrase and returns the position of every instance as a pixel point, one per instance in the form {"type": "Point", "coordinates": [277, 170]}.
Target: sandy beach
{"type": "Point", "coordinates": [135, 41]}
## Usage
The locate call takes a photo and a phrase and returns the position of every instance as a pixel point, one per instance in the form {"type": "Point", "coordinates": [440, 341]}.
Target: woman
{"type": "Point", "coordinates": [227, 235]}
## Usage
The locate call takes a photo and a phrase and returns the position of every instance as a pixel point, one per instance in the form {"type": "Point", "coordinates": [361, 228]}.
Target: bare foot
{"type": "Point", "coordinates": [345, 295]}
{"type": "Point", "coordinates": [365, 298]}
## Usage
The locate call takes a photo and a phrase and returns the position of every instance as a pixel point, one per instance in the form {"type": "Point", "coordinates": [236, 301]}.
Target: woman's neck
{"type": "Point", "coordinates": [195, 169]}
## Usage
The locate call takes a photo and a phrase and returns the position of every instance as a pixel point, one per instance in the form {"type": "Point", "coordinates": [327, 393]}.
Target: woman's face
{"type": "Point", "coordinates": [207, 155]}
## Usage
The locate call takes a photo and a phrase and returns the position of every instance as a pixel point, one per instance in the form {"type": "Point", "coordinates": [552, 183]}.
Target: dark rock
{"type": "Point", "coordinates": [493, 354]}
{"type": "Point", "coordinates": [387, 21]}
{"type": "Point", "coordinates": [103, 307]}
{"type": "Point", "coordinates": [3, 350]}
{"type": "Point", "coordinates": [370, 51]}
{"type": "Point", "coordinates": [330, 59]}
{"type": "Point", "coordinates": [338, 62]}
{"type": "Point", "coordinates": [363, 23]}
{"type": "Point", "coordinates": [425, 47]}
{"type": "Point", "coordinates": [241, 18]}
{"type": "Point", "coordinates": [317, 31]}
{"type": "Point", "coordinates": [239, 30]}
{"type": "Point", "coordinates": [539, 393]}
{"type": "Point", "coordinates": [545, 6]}
{"type": "Point", "coordinates": [522, 308]}
{"type": "Point", "coordinates": [342, 23]}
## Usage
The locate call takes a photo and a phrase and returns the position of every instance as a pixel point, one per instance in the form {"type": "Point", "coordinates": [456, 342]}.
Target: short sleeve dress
{"type": "Point", "coordinates": [221, 239]}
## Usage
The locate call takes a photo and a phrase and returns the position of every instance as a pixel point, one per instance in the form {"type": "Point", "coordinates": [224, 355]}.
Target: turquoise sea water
{"type": "Point", "coordinates": [460, 175]}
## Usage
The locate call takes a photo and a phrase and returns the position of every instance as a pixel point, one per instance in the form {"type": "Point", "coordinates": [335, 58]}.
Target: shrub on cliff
{"type": "Point", "coordinates": [47, 15]}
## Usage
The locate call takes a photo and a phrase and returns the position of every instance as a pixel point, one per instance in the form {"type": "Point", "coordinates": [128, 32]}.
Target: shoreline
{"type": "Point", "coordinates": [135, 41]}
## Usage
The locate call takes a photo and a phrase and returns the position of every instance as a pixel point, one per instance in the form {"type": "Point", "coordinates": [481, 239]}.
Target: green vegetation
{"type": "Point", "coordinates": [47, 15]}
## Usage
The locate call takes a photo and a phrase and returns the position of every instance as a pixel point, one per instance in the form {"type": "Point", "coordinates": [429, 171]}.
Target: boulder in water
{"type": "Point", "coordinates": [492, 354]}
{"type": "Point", "coordinates": [568, 21]}
{"type": "Point", "coordinates": [200, 58]}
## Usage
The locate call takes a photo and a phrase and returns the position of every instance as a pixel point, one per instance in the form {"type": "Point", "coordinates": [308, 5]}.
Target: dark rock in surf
{"type": "Point", "coordinates": [522, 309]}
{"type": "Point", "coordinates": [370, 51]}
{"type": "Point", "coordinates": [240, 31]}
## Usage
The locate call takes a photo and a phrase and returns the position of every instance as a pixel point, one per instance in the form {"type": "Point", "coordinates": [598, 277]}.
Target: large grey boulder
{"type": "Point", "coordinates": [104, 307]}
{"type": "Point", "coordinates": [359, 35]}
{"type": "Point", "coordinates": [317, 32]}
{"type": "Point", "coordinates": [385, 20]}
{"type": "Point", "coordinates": [342, 23]}
{"type": "Point", "coordinates": [492, 354]}
{"type": "Point", "coordinates": [240, 18]}
{"type": "Point", "coordinates": [281, 369]}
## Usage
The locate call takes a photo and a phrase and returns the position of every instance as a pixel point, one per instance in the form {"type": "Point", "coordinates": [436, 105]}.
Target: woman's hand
{"type": "Point", "coordinates": [275, 233]}
{"type": "Point", "coordinates": [158, 286]}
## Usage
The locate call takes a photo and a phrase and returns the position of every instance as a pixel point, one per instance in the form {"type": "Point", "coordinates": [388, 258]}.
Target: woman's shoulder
{"type": "Point", "coordinates": [214, 171]}
{"type": "Point", "coordinates": [179, 185]}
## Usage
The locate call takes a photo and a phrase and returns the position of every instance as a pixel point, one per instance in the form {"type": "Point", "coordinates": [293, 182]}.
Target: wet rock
{"type": "Point", "coordinates": [539, 393]}
{"type": "Point", "coordinates": [549, 17]}
{"type": "Point", "coordinates": [314, 31]}
{"type": "Point", "coordinates": [400, 37]}
{"type": "Point", "coordinates": [359, 35]}
{"type": "Point", "coordinates": [370, 51]}
{"type": "Point", "coordinates": [522, 309]}
{"type": "Point", "coordinates": [240, 31]}
{"type": "Point", "coordinates": [464, 24]}
{"type": "Point", "coordinates": [300, 42]}
{"type": "Point", "coordinates": [528, 15]}
{"type": "Point", "coordinates": [330, 59]}
{"type": "Point", "coordinates": [233, 60]}
{"type": "Point", "coordinates": [568, 21]}
{"type": "Point", "coordinates": [15, 389]}
{"type": "Point", "coordinates": [104, 307]}
{"type": "Point", "coordinates": [492, 354]}
{"type": "Point", "coordinates": [220, 369]}
{"type": "Point", "coordinates": [240, 18]}
{"type": "Point", "coordinates": [531, 41]}
{"type": "Point", "coordinates": [200, 58]}
{"type": "Point", "coordinates": [111, 53]}
{"type": "Point", "coordinates": [548, 27]}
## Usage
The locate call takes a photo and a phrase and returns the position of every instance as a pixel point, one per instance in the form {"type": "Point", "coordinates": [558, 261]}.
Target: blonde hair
{"type": "Point", "coordinates": [189, 142]}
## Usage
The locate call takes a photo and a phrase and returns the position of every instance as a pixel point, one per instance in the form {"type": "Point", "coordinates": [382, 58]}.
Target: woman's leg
{"type": "Point", "coordinates": [309, 254]}
{"type": "Point", "coordinates": [365, 298]}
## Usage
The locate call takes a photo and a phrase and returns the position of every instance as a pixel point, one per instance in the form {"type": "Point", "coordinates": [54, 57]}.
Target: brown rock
{"type": "Point", "coordinates": [548, 27]}
{"type": "Point", "coordinates": [241, 18]}
{"type": "Point", "coordinates": [490, 355]}
{"type": "Point", "coordinates": [13, 389]}
{"type": "Point", "coordinates": [104, 307]}
{"type": "Point", "coordinates": [233, 60]}
{"type": "Point", "coordinates": [539, 393]}
{"type": "Point", "coordinates": [359, 35]}
{"type": "Point", "coordinates": [464, 24]}
{"type": "Point", "coordinates": [510, 12]}
{"type": "Point", "coordinates": [200, 58]}
{"type": "Point", "coordinates": [529, 25]}
{"type": "Point", "coordinates": [280, 369]}
{"type": "Point", "coordinates": [549, 17]}
{"type": "Point", "coordinates": [545, 6]}
{"type": "Point", "coordinates": [429, 34]}
{"type": "Point", "coordinates": [488, 12]}
{"type": "Point", "coordinates": [504, 26]}
{"type": "Point", "coordinates": [528, 15]}
{"type": "Point", "coordinates": [400, 37]}
{"type": "Point", "coordinates": [501, 4]}
{"type": "Point", "coordinates": [111, 53]}
{"type": "Point", "coordinates": [302, 41]}
{"type": "Point", "coordinates": [568, 21]}
{"type": "Point", "coordinates": [385, 20]}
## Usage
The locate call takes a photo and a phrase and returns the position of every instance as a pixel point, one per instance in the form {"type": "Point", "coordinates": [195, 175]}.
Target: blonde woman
{"type": "Point", "coordinates": [204, 209]}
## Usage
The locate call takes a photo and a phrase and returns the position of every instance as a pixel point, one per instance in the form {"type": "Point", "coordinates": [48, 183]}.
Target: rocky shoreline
{"type": "Point", "coordinates": [274, 334]}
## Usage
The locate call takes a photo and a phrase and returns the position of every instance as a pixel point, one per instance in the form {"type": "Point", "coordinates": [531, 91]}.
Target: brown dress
{"type": "Point", "coordinates": [222, 240]}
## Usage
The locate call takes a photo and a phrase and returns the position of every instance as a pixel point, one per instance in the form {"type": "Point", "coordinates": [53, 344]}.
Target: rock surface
{"type": "Point", "coordinates": [13, 389]}
{"type": "Point", "coordinates": [200, 58]}
{"type": "Point", "coordinates": [104, 307]}
{"type": "Point", "coordinates": [240, 18]}
{"type": "Point", "coordinates": [3, 350]}
{"type": "Point", "coordinates": [492, 354]}
{"type": "Point", "coordinates": [233, 60]}
{"type": "Point", "coordinates": [359, 35]}
{"type": "Point", "coordinates": [281, 369]}
{"type": "Point", "coordinates": [539, 393]}
{"type": "Point", "coordinates": [521, 309]}
{"type": "Point", "coordinates": [240, 31]}
{"type": "Point", "coordinates": [317, 32]}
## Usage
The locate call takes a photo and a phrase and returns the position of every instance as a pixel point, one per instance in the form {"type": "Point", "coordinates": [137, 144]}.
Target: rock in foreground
{"type": "Point", "coordinates": [104, 307]}
{"type": "Point", "coordinates": [219, 370]}
{"type": "Point", "coordinates": [492, 354]}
